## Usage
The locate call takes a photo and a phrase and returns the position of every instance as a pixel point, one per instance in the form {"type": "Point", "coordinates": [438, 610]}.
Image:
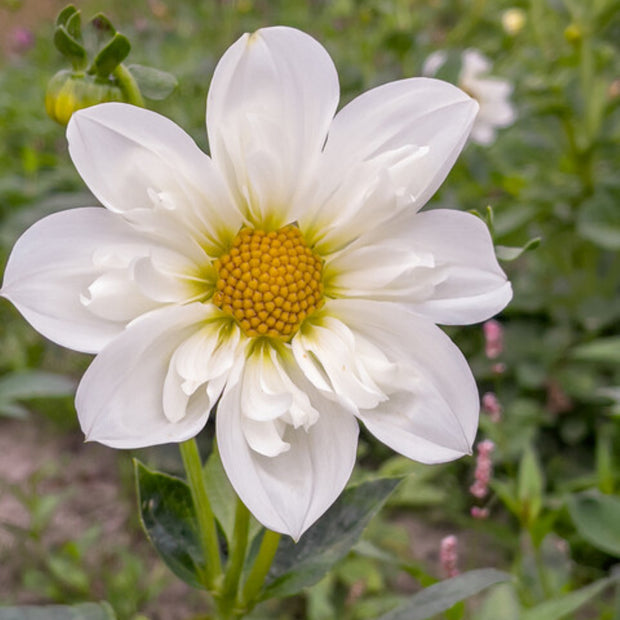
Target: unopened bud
{"type": "Point", "coordinates": [573, 34]}
{"type": "Point", "coordinates": [68, 92]}
{"type": "Point", "coordinates": [513, 21]}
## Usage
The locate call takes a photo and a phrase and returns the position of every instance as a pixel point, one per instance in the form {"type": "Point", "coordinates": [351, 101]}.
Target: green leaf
{"type": "Point", "coordinates": [604, 350]}
{"type": "Point", "coordinates": [83, 611]}
{"type": "Point", "coordinates": [167, 516]}
{"type": "Point", "coordinates": [222, 496]}
{"type": "Point", "coordinates": [561, 606]}
{"type": "Point", "coordinates": [153, 83]}
{"type": "Point", "coordinates": [111, 55]}
{"type": "Point", "coordinates": [69, 47]}
{"type": "Point", "coordinates": [103, 25]}
{"type": "Point", "coordinates": [297, 565]}
{"type": "Point", "coordinates": [506, 491]}
{"type": "Point", "coordinates": [443, 595]}
{"type": "Point", "coordinates": [74, 26]}
{"type": "Point", "coordinates": [501, 602]}
{"type": "Point", "coordinates": [34, 384]}
{"type": "Point", "coordinates": [507, 253]}
{"type": "Point", "coordinates": [13, 410]}
{"type": "Point", "coordinates": [530, 486]}
{"type": "Point", "coordinates": [64, 15]}
{"type": "Point", "coordinates": [597, 519]}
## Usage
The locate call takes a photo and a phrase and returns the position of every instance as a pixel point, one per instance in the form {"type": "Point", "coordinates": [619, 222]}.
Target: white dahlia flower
{"type": "Point", "coordinates": [289, 277]}
{"type": "Point", "coordinates": [492, 93]}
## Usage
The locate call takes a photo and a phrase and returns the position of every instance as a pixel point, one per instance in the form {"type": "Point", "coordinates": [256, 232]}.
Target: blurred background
{"type": "Point", "coordinates": [547, 182]}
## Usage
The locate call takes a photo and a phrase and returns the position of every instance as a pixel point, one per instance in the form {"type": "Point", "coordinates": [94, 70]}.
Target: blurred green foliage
{"type": "Point", "coordinates": [553, 175]}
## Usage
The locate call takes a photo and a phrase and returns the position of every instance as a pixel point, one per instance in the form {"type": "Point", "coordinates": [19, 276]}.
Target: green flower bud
{"type": "Point", "coordinates": [573, 34]}
{"type": "Point", "coordinates": [68, 91]}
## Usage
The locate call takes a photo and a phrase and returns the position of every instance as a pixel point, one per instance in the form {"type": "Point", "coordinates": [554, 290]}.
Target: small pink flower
{"type": "Point", "coordinates": [494, 339]}
{"type": "Point", "coordinates": [492, 406]}
{"type": "Point", "coordinates": [484, 469]}
{"type": "Point", "coordinates": [479, 513]}
{"type": "Point", "coordinates": [22, 39]}
{"type": "Point", "coordinates": [499, 368]}
{"type": "Point", "coordinates": [449, 555]}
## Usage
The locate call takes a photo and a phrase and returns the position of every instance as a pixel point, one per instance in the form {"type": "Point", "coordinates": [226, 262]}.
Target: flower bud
{"type": "Point", "coordinates": [573, 34]}
{"type": "Point", "coordinates": [513, 21]}
{"type": "Point", "coordinates": [68, 92]}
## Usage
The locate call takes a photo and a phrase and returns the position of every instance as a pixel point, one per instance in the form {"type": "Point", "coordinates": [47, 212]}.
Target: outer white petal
{"type": "Point", "coordinates": [120, 400]}
{"type": "Point", "coordinates": [440, 263]}
{"type": "Point", "coordinates": [433, 416]}
{"type": "Point", "coordinates": [271, 100]}
{"type": "Point", "coordinates": [389, 148]}
{"type": "Point", "coordinates": [135, 161]}
{"type": "Point", "coordinates": [54, 263]}
{"type": "Point", "coordinates": [287, 493]}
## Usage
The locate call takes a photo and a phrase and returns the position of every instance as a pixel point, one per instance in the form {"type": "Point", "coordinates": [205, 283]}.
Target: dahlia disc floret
{"type": "Point", "coordinates": [289, 277]}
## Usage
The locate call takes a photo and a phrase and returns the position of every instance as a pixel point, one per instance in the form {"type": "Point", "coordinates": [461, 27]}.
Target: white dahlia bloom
{"type": "Point", "coordinates": [289, 278]}
{"type": "Point", "coordinates": [492, 93]}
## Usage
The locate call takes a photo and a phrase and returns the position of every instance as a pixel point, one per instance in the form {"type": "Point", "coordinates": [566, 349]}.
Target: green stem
{"type": "Point", "coordinates": [262, 564]}
{"type": "Point", "coordinates": [236, 560]}
{"type": "Point", "coordinates": [541, 569]}
{"type": "Point", "coordinates": [128, 85]}
{"type": "Point", "coordinates": [204, 513]}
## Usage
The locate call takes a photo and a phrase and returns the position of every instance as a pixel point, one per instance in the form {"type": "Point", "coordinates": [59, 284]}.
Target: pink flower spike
{"type": "Point", "coordinates": [484, 469]}
{"type": "Point", "coordinates": [449, 555]}
{"type": "Point", "coordinates": [494, 339]}
{"type": "Point", "coordinates": [492, 406]}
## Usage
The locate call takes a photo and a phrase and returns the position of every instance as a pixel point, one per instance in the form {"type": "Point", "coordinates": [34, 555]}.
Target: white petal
{"type": "Point", "coordinates": [53, 264]}
{"type": "Point", "coordinates": [120, 400]}
{"type": "Point", "coordinates": [136, 160]}
{"type": "Point", "coordinates": [113, 296]}
{"type": "Point", "coordinates": [271, 100]}
{"type": "Point", "coordinates": [401, 138]}
{"type": "Point", "coordinates": [433, 417]}
{"type": "Point", "coordinates": [200, 367]}
{"type": "Point", "coordinates": [327, 348]}
{"type": "Point", "coordinates": [498, 112]}
{"type": "Point", "coordinates": [474, 63]}
{"type": "Point", "coordinates": [483, 133]}
{"type": "Point", "coordinates": [440, 263]}
{"type": "Point", "coordinates": [287, 493]}
{"type": "Point", "coordinates": [434, 62]}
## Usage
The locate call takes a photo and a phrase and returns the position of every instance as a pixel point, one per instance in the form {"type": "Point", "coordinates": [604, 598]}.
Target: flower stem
{"type": "Point", "coordinates": [262, 564]}
{"type": "Point", "coordinates": [237, 557]}
{"type": "Point", "coordinates": [128, 85]}
{"type": "Point", "coordinates": [204, 513]}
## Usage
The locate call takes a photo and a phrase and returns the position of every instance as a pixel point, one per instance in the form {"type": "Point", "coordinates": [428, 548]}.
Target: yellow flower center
{"type": "Point", "coordinates": [269, 282]}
